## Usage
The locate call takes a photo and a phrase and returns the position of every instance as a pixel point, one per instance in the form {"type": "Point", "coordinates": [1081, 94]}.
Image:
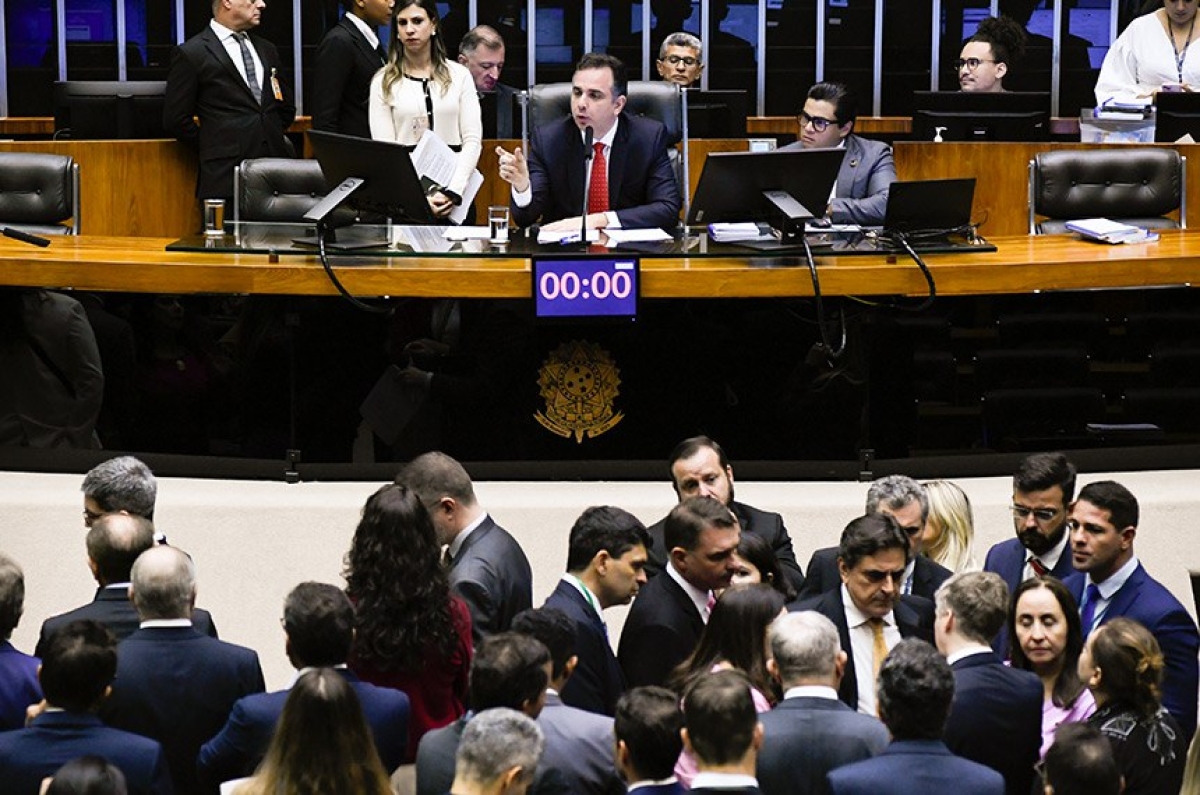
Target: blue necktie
{"type": "Point", "coordinates": [1088, 615]}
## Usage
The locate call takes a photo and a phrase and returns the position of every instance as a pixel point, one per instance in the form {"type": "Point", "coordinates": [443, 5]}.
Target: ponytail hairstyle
{"type": "Point", "coordinates": [1131, 665]}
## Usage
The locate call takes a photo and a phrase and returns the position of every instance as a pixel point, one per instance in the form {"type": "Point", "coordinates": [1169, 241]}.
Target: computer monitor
{"type": "Point", "coordinates": [733, 185]}
{"type": "Point", "coordinates": [981, 115]}
{"type": "Point", "coordinates": [1176, 115]}
{"type": "Point", "coordinates": [371, 176]}
{"type": "Point", "coordinates": [109, 109]}
{"type": "Point", "coordinates": [717, 114]}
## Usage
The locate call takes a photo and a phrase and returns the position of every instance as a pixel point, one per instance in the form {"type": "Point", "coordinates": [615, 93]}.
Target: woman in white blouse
{"type": "Point", "coordinates": [1154, 53]}
{"type": "Point", "coordinates": [420, 89]}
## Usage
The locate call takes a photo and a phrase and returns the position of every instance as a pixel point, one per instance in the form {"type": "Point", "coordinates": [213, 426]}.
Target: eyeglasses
{"type": "Point", "coordinates": [686, 60]}
{"type": "Point", "coordinates": [876, 576]}
{"type": "Point", "coordinates": [1043, 515]}
{"type": "Point", "coordinates": [818, 123]}
{"type": "Point", "coordinates": [971, 64]}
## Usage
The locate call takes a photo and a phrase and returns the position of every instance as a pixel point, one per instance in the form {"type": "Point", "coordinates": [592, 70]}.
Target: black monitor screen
{"type": "Point", "coordinates": [1176, 115]}
{"type": "Point", "coordinates": [731, 185]}
{"type": "Point", "coordinates": [109, 109]}
{"type": "Point", "coordinates": [717, 114]}
{"type": "Point", "coordinates": [390, 186]}
{"type": "Point", "coordinates": [981, 116]}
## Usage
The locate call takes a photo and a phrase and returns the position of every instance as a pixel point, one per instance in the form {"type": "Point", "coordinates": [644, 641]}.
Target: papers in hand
{"type": "Point", "coordinates": [1108, 231]}
{"type": "Point", "coordinates": [436, 162]}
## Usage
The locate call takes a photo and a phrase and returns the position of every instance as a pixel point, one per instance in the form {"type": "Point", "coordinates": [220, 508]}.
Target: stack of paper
{"type": "Point", "coordinates": [730, 233]}
{"type": "Point", "coordinates": [1107, 231]}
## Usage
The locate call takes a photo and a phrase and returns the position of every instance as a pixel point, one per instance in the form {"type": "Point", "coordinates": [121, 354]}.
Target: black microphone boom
{"type": "Point", "coordinates": [587, 158]}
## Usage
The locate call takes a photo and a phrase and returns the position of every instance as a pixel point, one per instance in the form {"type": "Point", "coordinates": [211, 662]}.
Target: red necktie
{"type": "Point", "coordinates": [1039, 568]}
{"type": "Point", "coordinates": [598, 185]}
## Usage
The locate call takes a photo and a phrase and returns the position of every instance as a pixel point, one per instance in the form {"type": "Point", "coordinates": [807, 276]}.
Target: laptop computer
{"type": "Point", "coordinates": [929, 205]}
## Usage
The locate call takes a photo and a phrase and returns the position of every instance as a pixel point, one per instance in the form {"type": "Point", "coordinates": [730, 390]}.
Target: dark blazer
{"type": "Point", "coordinates": [19, 686]}
{"type": "Point", "coordinates": [1145, 600]}
{"type": "Point", "coordinates": [674, 788]}
{"type": "Point", "coordinates": [234, 124]}
{"type": "Point", "coordinates": [178, 686]}
{"type": "Point", "coordinates": [345, 64]}
{"type": "Point", "coordinates": [1008, 560]}
{"type": "Point", "coordinates": [55, 738]}
{"type": "Point", "coordinates": [492, 575]}
{"type": "Point", "coordinates": [823, 574]}
{"type": "Point", "coordinates": [996, 718]}
{"type": "Point", "coordinates": [579, 745]}
{"type": "Point", "coordinates": [241, 744]}
{"type": "Point", "coordinates": [914, 619]}
{"type": "Point", "coordinates": [641, 185]}
{"type": "Point", "coordinates": [727, 791]}
{"type": "Point", "coordinates": [435, 764]}
{"type": "Point", "coordinates": [112, 608]}
{"type": "Point", "coordinates": [915, 767]}
{"type": "Point", "coordinates": [661, 630]}
{"type": "Point", "coordinates": [753, 521]}
{"type": "Point", "coordinates": [598, 681]}
{"type": "Point", "coordinates": [805, 738]}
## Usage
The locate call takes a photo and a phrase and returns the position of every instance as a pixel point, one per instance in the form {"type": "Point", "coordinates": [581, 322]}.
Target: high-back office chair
{"type": "Point", "coordinates": [278, 189]}
{"type": "Point", "coordinates": [1132, 185]}
{"type": "Point", "coordinates": [39, 192]}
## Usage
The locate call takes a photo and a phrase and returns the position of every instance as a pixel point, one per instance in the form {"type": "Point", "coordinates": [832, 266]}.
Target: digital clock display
{"type": "Point", "coordinates": [582, 287]}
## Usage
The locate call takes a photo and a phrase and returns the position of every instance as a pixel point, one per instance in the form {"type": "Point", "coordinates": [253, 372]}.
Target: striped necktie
{"type": "Point", "coordinates": [248, 62]}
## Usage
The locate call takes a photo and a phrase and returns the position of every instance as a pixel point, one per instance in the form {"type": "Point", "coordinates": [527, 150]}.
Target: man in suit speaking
{"type": "Point", "coordinates": [233, 82]}
{"type": "Point", "coordinates": [629, 179]}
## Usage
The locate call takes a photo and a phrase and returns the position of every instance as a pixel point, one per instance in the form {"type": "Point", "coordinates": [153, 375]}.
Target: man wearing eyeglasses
{"type": "Point", "coordinates": [868, 608]}
{"type": "Point", "coordinates": [1043, 487]}
{"type": "Point", "coordinates": [826, 122]}
{"type": "Point", "coordinates": [681, 59]}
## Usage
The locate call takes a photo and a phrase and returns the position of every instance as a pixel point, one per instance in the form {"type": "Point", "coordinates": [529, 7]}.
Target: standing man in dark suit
{"type": "Point", "coordinates": [482, 52]}
{"type": "Point", "coordinates": [234, 84]}
{"type": "Point", "coordinates": [488, 568]}
{"type": "Point", "coordinates": [916, 688]}
{"type": "Point", "coordinates": [114, 542]}
{"type": "Point", "coordinates": [606, 558]}
{"type": "Point", "coordinates": [905, 500]}
{"type": "Point", "coordinates": [699, 468]}
{"type": "Point", "coordinates": [648, 740]}
{"type": "Point", "coordinates": [669, 614]}
{"type": "Point", "coordinates": [722, 732]}
{"type": "Point", "coordinates": [868, 609]}
{"type": "Point", "coordinates": [996, 719]}
{"type": "Point", "coordinates": [76, 672]}
{"type": "Point", "coordinates": [810, 731]}
{"type": "Point", "coordinates": [173, 684]}
{"type": "Point", "coordinates": [629, 178]}
{"type": "Point", "coordinates": [318, 620]}
{"type": "Point", "coordinates": [1111, 582]}
{"type": "Point", "coordinates": [348, 57]}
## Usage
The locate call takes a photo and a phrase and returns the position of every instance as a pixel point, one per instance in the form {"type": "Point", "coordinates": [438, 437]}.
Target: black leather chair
{"type": "Point", "coordinates": [278, 189]}
{"type": "Point", "coordinates": [1132, 185]}
{"type": "Point", "coordinates": [39, 193]}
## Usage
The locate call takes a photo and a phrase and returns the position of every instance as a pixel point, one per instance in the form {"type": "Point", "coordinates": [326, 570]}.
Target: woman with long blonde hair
{"type": "Point", "coordinates": [949, 534]}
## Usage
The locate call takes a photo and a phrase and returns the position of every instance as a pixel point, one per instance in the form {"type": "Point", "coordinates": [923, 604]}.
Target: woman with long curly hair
{"type": "Point", "coordinates": [411, 633]}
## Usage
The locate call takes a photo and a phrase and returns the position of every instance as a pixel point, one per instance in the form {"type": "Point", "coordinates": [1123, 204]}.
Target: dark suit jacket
{"type": "Point", "coordinates": [435, 764]}
{"type": "Point", "coordinates": [863, 180]}
{"type": "Point", "coordinates": [823, 574]}
{"type": "Point", "coordinates": [760, 523]}
{"type": "Point", "coordinates": [641, 185]}
{"type": "Point", "coordinates": [1146, 601]}
{"type": "Point", "coordinates": [234, 124]}
{"type": "Point", "coordinates": [177, 686]}
{"type": "Point", "coordinates": [598, 681]}
{"type": "Point", "coordinates": [674, 788]}
{"type": "Point", "coordinates": [661, 630]}
{"type": "Point", "coordinates": [579, 745]}
{"type": "Point", "coordinates": [345, 64]}
{"type": "Point", "coordinates": [727, 791]}
{"type": "Point", "coordinates": [55, 738]}
{"type": "Point", "coordinates": [239, 747]}
{"type": "Point", "coordinates": [996, 718]}
{"type": "Point", "coordinates": [19, 686]}
{"type": "Point", "coordinates": [805, 738]}
{"type": "Point", "coordinates": [112, 608]}
{"type": "Point", "coordinates": [915, 767]}
{"type": "Point", "coordinates": [914, 619]}
{"type": "Point", "coordinates": [492, 575]}
{"type": "Point", "coordinates": [1008, 560]}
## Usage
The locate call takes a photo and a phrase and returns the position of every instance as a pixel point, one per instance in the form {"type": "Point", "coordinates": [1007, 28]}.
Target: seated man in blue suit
{"type": "Point", "coordinates": [629, 178]}
{"type": "Point", "coordinates": [497, 755]}
{"type": "Point", "coordinates": [916, 687]}
{"type": "Point", "coordinates": [1112, 583]}
{"type": "Point", "coordinates": [722, 732]}
{"type": "Point", "coordinates": [77, 671]}
{"type": "Point", "coordinates": [319, 622]}
{"type": "Point", "coordinates": [647, 728]}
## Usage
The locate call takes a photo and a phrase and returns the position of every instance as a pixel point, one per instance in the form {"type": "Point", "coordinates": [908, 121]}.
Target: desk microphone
{"type": "Point", "coordinates": [587, 159]}
{"type": "Point", "coordinates": [24, 237]}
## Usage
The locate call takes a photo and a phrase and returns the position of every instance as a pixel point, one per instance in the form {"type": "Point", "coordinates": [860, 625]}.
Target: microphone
{"type": "Point", "coordinates": [588, 133]}
{"type": "Point", "coordinates": [25, 237]}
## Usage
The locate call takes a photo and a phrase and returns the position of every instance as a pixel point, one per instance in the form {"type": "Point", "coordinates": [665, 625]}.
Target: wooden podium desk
{"type": "Point", "coordinates": [1020, 265]}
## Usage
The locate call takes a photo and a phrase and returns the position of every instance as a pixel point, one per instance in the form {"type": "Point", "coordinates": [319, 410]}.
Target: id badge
{"type": "Point", "coordinates": [276, 89]}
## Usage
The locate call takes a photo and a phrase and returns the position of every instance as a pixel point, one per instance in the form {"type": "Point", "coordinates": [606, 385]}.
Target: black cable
{"type": "Point", "coordinates": [831, 352]}
{"type": "Point", "coordinates": [376, 309]}
{"type": "Point", "coordinates": [902, 239]}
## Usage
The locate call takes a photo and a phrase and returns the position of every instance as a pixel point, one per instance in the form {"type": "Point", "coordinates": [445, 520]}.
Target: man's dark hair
{"type": "Point", "coordinates": [79, 662]}
{"type": "Point", "coordinates": [648, 720]}
{"type": "Point", "coordinates": [689, 518]}
{"type": "Point", "coordinates": [979, 602]}
{"type": "Point", "coordinates": [869, 535]}
{"type": "Point", "coordinates": [719, 714]}
{"type": "Point", "coordinates": [692, 445]}
{"type": "Point", "coordinates": [1042, 471]}
{"type": "Point", "coordinates": [122, 484]}
{"type": "Point", "coordinates": [12, 596]}
{"type": "Point", "coordinates": [1111, 496]}
{"type": "Point", "coordinates": [114, 542]}
{"type": "Point", "coordinates": [88, 775]}
{"type": "Point", "coordinates": [1081, 762]}
{"type": "Point", "coordinates": [599, 60]}
{"type": "Point", "coordinates": [480, 36]}
{"type": "Point", "coordinates": [845, 103]}
{"type": "Point", "coordinates": [435, 475]}
{"type": "Point", "coordinates": [319, 621]}
{"type": "Point", "coordinates": [604, 527]}
{"type": "Point", "coordinates": [554, 629]}
{"type": "Point", "coordinates": [916, 688]}
{"type": "Point", "coordinates": [508, 671]}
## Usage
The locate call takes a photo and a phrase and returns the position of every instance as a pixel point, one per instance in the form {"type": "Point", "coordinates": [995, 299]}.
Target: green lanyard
{"type": "Point", "coordinates": [587, 594]}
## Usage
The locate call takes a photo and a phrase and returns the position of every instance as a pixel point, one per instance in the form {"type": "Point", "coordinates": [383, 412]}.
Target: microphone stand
{"type": "Point", "coordinates": [587, 161]}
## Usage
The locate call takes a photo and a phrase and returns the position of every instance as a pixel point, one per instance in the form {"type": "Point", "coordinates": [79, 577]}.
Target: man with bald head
{"type": "Point", "coordinates": [114, 542]}
{"type": "Point", "coordinates": [174, 684]}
